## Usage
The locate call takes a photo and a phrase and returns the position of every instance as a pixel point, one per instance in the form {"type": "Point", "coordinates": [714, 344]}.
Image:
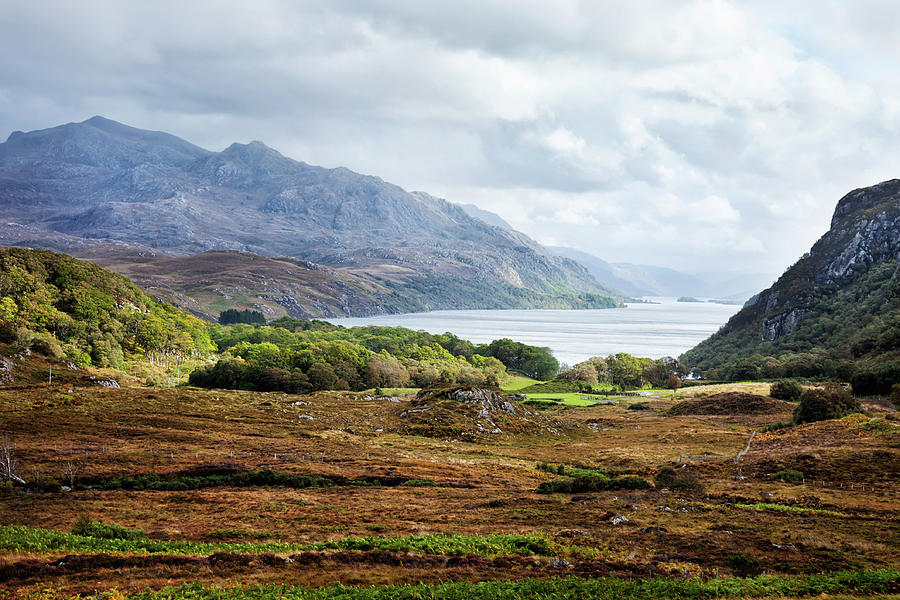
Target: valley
{"type": "Point", "coordinates": [419, 509]}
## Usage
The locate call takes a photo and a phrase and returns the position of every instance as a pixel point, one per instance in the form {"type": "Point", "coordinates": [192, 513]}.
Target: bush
{"type": "Point", "coordinates": [6, 488]}
{"type": "Point", "coordinates": [876, 380]}
{"type": "Point", "coordinates": [47, 345]}
{"type": "Point", "coordinates": [778, 425]}
{"type": "Point", "coordinates": [681, 480]}
{"type": "Point", "coordinates": [832, 402]}
{"type": "Point", "coordinates": [744, 566]}
{"type": "Point", "coordinates": [591, 482]}
{"type": "Point", "coordinates": [639, 406]}
{"type": "Point", "coordinates": [84, 526]}
{"type": "Point", "coordinates": [786, 390]}
{"type": "Point", "coordinates": [788, 476]}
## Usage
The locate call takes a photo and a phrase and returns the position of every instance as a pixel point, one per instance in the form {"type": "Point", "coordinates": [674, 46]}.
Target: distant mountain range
{"type": "Point", "coordinates": [137, 200]}
{"type": "Point", "coordinates": [647, 280]}
{"type": "Point", "coordinates": [835, 311]}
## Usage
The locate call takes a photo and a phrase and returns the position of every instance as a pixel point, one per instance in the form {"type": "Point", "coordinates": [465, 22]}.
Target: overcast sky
{"type": "Point", "coordinates": [703, 136]}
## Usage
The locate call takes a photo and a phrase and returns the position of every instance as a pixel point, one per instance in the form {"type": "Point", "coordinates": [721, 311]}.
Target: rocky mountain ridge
{"type": "Point", "coordinates": [848, 266]}
{"type": "Point", "coordinates": [99, 183]}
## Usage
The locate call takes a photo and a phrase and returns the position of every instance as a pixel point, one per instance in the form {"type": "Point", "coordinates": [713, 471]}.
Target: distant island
{"type": "Point", "coordinates": [688, 299]}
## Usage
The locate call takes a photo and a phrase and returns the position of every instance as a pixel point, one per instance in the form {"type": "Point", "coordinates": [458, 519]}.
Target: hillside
{"type": "Point", "coordinates": [62, 307]}
{"type": "Point", "coordinates": [83, 187]}
{"type": "Point", "coordinates": [204, 284]}
{"type": "Point", "coordinates": [834, 311]}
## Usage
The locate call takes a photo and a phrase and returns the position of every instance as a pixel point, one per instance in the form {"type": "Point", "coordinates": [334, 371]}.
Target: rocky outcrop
{"type": "Point", "coordinates": [469, 412]}
{"type": "Point", "coordinates": [781, 325]}
{"type": "Point", "coordinates": [865, 233]}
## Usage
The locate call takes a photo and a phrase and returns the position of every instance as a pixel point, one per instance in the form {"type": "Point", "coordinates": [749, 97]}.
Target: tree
{"type": "Point", "coordinates": [673, 383]}
{"type": "Point", "coordinates": [231, 316]}
{"type": "Point", "coordinates": [8, 462]}
{"type": "Point", "coordinates": [833, 402]}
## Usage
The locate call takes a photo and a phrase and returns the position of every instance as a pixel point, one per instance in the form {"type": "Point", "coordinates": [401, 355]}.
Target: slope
{"type": "Point", "coordinates": [62, 307]}
{"type": "Point", "coordinates": [835, 310]}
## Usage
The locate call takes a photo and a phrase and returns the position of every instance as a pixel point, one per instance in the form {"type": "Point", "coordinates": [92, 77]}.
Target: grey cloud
{"type": "Point", "coordinates": [581, 122]}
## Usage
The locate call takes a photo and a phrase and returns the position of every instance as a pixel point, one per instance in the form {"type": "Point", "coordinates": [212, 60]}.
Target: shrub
{"type": "Point", "coordinates": [822, 404]}
{"type": "Point", "coordinates": [876, 380]}
{"type": "Point", "coordinates": [84, 526]}
{"type": "Point", "coordinates": [47, 345]}
{"type": "Point", "coordinates": [418, 483]}
{"type": "Point", "coordinates": [639, 406]}
{"type": "Point", "coordinates": [786, 390]}
{"type": "Point", "coordinates": [778, 425]}
{"type": "Point", "coordinates": [6, 488]}
{"type": "Point", "coordinates": [744, 566]}
{"type": "Point", "coordinates": [788, 476]}
{"type": "Point", "coordinates": [591, 482]}
{"type": "Point", "coordinates": [51, 485]}
{"type": "Point", "coordinates": [681, 480]}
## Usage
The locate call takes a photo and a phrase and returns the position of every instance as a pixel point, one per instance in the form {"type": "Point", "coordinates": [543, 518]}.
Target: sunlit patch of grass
{"type": "Point", "coordinates": [790, 509]}
{"type": "Point", "coordinates": [25, 539]}
{"type": "Point", "coordinates": [515, 382]}
{"type": "Point", "coordinates": [572, 398]}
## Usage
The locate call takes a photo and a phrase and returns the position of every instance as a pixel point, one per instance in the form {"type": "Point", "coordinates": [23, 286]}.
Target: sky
{"type": "Point", "coordinates": [705, 136]}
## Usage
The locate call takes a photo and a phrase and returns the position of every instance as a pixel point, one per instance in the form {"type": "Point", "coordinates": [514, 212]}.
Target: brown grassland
{"type": "Point", "coordinates": [843, 516]}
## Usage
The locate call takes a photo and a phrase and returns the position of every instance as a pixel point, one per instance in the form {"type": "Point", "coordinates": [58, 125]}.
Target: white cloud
{"type": "Point", "coordinates": [671, 133]}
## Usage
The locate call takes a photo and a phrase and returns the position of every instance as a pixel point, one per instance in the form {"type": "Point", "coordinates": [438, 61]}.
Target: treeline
{"type": "Point", "coordinates": [623, 371]}
{"type": "Point", "coordinates": [231, 316]}
{"type": "Point", "coordinates": [63, 307]}
{"type": "Point", "coordinates": [299, 355]}
{"type": "Point", "coordinates": [851, 334]}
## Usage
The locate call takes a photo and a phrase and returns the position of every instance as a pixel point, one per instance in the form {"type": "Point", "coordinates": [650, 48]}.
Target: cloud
{"type": "Point", "coordinates": [705, 132]}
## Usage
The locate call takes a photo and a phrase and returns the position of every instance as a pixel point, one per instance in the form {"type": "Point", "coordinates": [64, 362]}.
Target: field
{"type": "Point", "coordinates": [342, 488]}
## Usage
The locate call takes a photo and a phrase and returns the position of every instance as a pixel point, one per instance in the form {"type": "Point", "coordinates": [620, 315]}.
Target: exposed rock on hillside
{"type": "Point", "coordinates": [469, 412]}
{"type": "Point", "coordinates": [838, 298]}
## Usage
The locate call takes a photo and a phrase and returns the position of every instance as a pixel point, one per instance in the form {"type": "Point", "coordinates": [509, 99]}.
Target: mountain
{"type": "Point", "coordinates": [638, 280]}
{"type": "Point", "coordinates": [83, 187]}
{"type": "Point", "coordinates": [835, 311]}
{"type": "Point", "coordinates": [491, 218]}
{"type": "Point", "coordinates": [209, 282]}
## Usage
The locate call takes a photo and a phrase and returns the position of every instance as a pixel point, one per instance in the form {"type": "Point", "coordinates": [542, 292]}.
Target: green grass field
{"type": "Point", "coordinates": [574, 398]}
{"type": "Point", "coordinates": [515, 382]}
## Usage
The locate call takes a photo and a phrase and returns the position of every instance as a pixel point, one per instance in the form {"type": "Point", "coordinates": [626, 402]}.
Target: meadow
{"type": "Point", "coordinates": [194, 493]}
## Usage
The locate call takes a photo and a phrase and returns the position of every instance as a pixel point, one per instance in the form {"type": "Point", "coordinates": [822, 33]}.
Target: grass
{"type": "Point", "coordinates": [571, 398]}
{"type": "Point", "coordinates": [515, 382]}
{"type": "Point", "coordinates": [483, 489]}
{"type": "Point", "coordinates": [790, 509]}
{"type": "Point", "coordinates": [859, 583]}
{"type": "Point", "coordinates": [15, 538]}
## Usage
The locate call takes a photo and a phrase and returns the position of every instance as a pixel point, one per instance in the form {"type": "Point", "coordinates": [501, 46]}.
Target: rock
{"type": "Point", "coordinates": [102, 382]}
{"type": "Point", "coordinates": [558, 563]}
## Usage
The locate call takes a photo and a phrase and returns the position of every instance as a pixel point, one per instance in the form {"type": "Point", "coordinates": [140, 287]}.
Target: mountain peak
{"type": "Point", "coordinates": [865, 198]}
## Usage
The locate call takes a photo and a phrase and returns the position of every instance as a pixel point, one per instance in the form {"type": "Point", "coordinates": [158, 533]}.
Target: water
{"type": "Point", "coordinates": [653, 330]}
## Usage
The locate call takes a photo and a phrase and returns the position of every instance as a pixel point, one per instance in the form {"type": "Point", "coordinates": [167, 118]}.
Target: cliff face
{"type": "Point", "coordinates": [843, 270]}
{"type": "Point", "coordinates": [101, 183]}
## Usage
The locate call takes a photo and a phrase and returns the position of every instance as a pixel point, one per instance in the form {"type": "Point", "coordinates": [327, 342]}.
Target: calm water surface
{"type": "Point", "coordinates": [655, 330]}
